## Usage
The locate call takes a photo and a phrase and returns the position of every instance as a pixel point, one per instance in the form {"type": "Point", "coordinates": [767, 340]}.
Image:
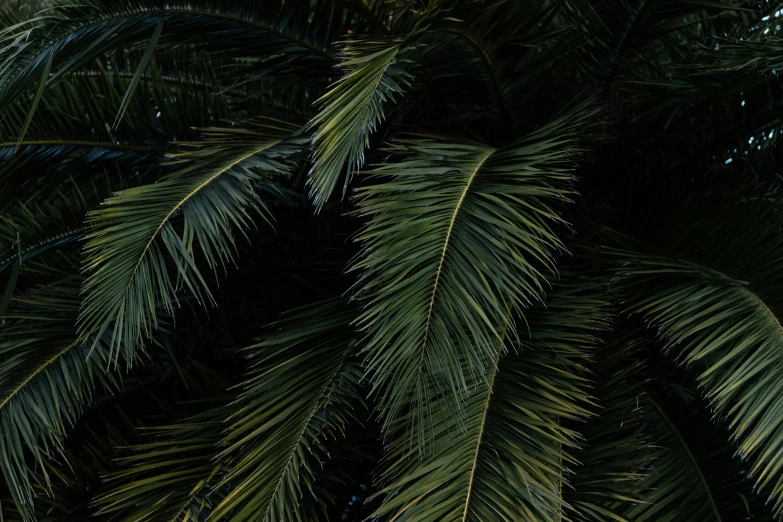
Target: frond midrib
{"type": "Point", "coordinates": [763, 307]}
{"type": "Point", "coordinates": [38, 371]}
{"type": "Point", "coordinates": [184, 200]}
{"type": "Point", "coordinates": [480, 436]}
{"type": "Point", "coordinates": [453, 220]}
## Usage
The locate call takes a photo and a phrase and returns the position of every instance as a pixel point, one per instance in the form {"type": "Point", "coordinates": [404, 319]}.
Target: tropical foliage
{"type": "Point", "coordinates": [431, 260]}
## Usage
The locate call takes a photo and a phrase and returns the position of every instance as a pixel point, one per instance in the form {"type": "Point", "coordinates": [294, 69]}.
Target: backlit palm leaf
{"type": "Point", "coordinates": [375, 74]}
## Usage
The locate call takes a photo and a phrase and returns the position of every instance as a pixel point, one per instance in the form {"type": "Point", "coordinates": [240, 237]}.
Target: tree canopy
{"type": "Point", "coordinates": [430, 260]}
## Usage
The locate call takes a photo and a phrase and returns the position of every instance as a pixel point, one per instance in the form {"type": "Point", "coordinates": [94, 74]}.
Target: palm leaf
{"type": "Point", "coordinates": [171, 476]}
{"type": "Point", "coordinates": [507, 461]}
{"type": "Point", "coordinates": [375, 72]}
{"type": "Point", "coordinates": [614, 458]}
{"type": "Point", "coordinates": [258, 456]}
{"type": "Point", "coordinates": [47, 376]}
{"type": "Point", "coordinates": [80, 33]}
{"type": "Point", "coordinates": [716, 307]}
{"type": "Point", "coordinates": [299, 394]}
{"type": "Point", "coordinates": [132, 235]}
{"type": "Point", "coordinates": [676, 487]}
{"type": "Point", "coordinates": [458, 233]}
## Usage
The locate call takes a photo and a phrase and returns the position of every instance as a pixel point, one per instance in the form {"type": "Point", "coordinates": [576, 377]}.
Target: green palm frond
{"type": "Point", "coordinates": [132, 236]}
{"type": "Point", "coordinates": [717, 308]}
{"type": "Point", "coordinates": [723, 325]}
{"type": "Point", "coordinates": [675, 488]}
{"type": "Point", "coordinates": [81, 32]}
{"type": "Point", "coordinates": [172, 476]}
{"type": "Point", "coordinates": [47, 376]}
{"type": "Point", "coordinates": [458, 234]}
{"type": "Point", "coordinates": [74, 476]}
{"type": "Point", "coordinates": [301, 392]}
{"type": "Point", "coordinates": [70, 142]}
{"type": "Point", "coordinates": [375, 73]}
{"type": "Point", "coordinates": [507, 460]}
{"type": "Point", "coordinates": [30, 231]}
{"type": "Point", "coordinates": [614, 458]}
{"type": "Point", "coordinates": [258, 456]}
{"type": "Point", "coordinates": [143, 141]}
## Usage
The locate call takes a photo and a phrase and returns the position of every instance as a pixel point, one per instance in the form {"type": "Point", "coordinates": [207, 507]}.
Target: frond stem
{"type": "Point", "coordinates": [448, 238]}
{"type": "Point", "coordinates": [480, 436]}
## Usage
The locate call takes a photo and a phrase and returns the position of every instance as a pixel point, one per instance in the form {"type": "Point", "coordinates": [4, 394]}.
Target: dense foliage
{"type": "Point", "coordinates": [399, 260]}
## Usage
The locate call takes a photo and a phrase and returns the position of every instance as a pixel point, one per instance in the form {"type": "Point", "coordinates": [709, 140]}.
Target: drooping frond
{"type": "Point", "coordinates": [47, 375]}
{"type": "Point", "coordinates": [508, 459]}
{"type": "Point", "coordinates": [170, 477]}
{"type": "Point", "coordinates": [259, 456]}
{"type": "Point", "coordinates": [375, 73]}
{"type": "Point", "coordinates": [458, 234]}
{"type": "Point", "coordinates": [300, 393]}
{"type": "Point", "coordinates": [713, 298]}
{"type": "Point", "coordinates": [132, 238]}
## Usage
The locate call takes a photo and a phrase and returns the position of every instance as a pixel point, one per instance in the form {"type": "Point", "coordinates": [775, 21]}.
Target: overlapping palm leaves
{"type": "Point", "coordinates": [48, 375]}
{"type": "Point", "coordinates": [143, 142]}
{"type": "Point", "coordinates": [475, 225]}
{"type": "Point", "coordinates": [505, 461]}
{"type": "Point", "coordinates": [715, 305]}
{"type": "Point", "coordinates": [256, 457]}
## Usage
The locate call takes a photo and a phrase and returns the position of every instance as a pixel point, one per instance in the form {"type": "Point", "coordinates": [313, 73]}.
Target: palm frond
{"type": "Point", "coordinates": [509, 458]}
{"type": "Point", "coordinates": [375, 73]}
{"type": "Point", "coordinates": [255, 458]}
{"type": "Point", "coordinates": [172, 476]}
{"type": "Point", "coordinates": [675, 487]}
{"type": "Point", "coordinates": [81, 32]}
{"type": "Point", "coordinates": [131, 237]}
{"type": "Point", "coordinates": [614, 458]}
{"type": "Point", "coordinates": [75, 476]}
{"type": "Point", "coordinates": [458, 234]}
{"type": "Point", "coordinates": [300, 393]}
{"type": "Point", "coordinates": [47, 376]}
{"type": "Point", "coordinates": [716, 306]}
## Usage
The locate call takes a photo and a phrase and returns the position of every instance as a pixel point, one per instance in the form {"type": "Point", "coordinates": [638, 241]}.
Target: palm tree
{"type": "Point", "coordinates": [391, 260]}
